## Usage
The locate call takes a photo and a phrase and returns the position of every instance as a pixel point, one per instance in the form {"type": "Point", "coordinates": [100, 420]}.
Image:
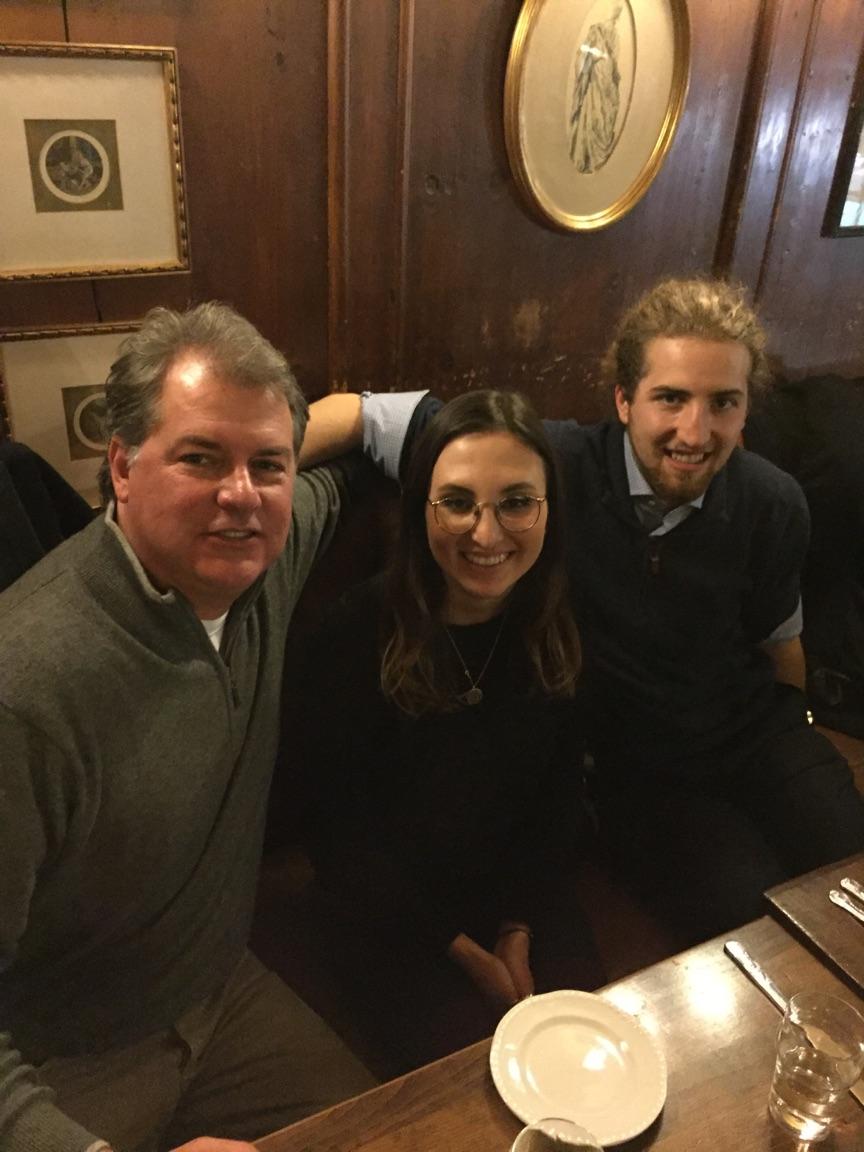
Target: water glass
{"type": "Point", "coordinates": [555, 1135]}
{"type": "Point", "coordinates": [820, 1055]}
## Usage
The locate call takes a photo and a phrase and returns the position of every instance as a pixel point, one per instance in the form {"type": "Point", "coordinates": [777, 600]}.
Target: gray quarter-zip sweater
{"type": "Point", "coordinates": [135, 762]}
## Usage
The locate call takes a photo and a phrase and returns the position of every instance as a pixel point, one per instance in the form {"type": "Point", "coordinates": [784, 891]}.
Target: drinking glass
{"type": "Point", "coordinates": [820, 1054]}
{"type": "Point", "coordinates": [554, 1134]}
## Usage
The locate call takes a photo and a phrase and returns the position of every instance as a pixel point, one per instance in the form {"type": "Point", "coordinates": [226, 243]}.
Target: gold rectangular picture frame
{"type": "Point", "coordinates": [52, 395]}
{"type": "Point", "coordinates": [92, 181]}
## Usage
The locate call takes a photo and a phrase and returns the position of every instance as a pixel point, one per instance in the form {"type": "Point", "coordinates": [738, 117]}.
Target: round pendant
{"type": "Point", "coordinates": [472, 696]}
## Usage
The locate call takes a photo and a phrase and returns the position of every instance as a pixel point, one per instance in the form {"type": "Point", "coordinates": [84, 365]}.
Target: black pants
{"type": "Point", "coordinates": [702, 841]}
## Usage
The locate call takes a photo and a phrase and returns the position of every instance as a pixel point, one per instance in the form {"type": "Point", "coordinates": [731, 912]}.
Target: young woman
{"type": "Point", "coordinates": [444, 754]}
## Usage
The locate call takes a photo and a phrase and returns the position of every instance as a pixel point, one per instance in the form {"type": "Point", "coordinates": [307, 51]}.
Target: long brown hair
{"type": "Point", "coordinates": [538, 607]}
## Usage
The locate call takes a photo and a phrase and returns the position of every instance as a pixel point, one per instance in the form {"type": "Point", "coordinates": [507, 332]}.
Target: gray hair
{"type": "Point", "coordinates": [231, 346]}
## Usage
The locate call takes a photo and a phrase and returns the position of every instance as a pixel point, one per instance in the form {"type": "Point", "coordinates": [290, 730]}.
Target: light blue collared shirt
{"type": "Point", "coordinates": [386, 416]}
{"type": "Point", "coordinates": [639, 486]}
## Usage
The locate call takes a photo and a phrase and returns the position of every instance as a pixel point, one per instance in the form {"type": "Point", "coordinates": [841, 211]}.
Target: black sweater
{"type": "Point", "coordinates": [445, 823]}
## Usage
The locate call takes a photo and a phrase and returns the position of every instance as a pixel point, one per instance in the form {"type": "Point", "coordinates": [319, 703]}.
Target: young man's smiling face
{"type": "Point", "coordinates": [687, 413]}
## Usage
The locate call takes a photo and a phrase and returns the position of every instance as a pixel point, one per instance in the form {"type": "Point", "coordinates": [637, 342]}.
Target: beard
{"type": "Point", "coordinates": [676, 488]}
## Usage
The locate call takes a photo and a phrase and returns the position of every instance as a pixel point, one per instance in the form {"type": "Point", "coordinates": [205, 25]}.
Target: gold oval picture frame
{"type": "Point", "coordinates": [592, 97]}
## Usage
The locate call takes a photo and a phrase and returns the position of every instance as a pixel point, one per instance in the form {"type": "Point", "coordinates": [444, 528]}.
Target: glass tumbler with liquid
{"type": "Point", "coordinates": [820, 1055]}
{"type": "Point", "coordinates": [554, 1134]}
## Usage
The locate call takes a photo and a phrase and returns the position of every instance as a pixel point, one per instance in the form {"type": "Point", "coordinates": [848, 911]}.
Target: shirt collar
{"type": "Point", "coordinates": [150, 591]}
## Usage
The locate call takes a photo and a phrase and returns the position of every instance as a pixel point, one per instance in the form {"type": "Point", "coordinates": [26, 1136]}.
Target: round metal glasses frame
{"type": "Point", "coordinates": [477, 511]}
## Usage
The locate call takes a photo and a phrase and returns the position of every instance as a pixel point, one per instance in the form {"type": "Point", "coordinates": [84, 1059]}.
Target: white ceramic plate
{"type": "Point", "coordinates": [575, 1055]}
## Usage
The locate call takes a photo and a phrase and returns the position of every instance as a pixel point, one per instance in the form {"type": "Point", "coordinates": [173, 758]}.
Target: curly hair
{"type": "Point", "coordinates": [701, 307]}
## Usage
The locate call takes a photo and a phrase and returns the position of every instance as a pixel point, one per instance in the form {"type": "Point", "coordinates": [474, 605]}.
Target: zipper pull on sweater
{"type": "Point", "coordinates": [654, 556]}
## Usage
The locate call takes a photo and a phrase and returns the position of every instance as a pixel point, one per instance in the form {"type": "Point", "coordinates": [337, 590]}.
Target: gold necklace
{"type": "Point", "coordinates": [475, 693]}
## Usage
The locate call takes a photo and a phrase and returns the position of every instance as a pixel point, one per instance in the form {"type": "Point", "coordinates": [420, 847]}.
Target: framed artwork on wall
{"type": "Point", "coordinates": [592, 98]}
{"type": "Point", "coordinates": [53, 388]}
{"type": "Point", "coordinates": [845, 212]}
{"type": "Point", "coordinates": [92, 177]}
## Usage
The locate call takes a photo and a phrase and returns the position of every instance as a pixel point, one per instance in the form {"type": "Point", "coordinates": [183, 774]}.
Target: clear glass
{"type": "Point", "coordinates": [820, 1055]}
{"type": "Point", "coordinates": [554, 1134]}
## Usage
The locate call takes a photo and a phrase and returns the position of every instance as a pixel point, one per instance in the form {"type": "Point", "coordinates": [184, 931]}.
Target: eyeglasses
{"type": "Point", "coordinates": [458, 514]}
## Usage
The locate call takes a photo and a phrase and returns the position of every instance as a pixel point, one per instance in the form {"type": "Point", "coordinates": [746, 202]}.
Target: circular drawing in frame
{"type": "Point", "coordinates": [75, 166]}
{"type": "Point", "coordinates": [84, 412]}
{"type": "Point", "coordinates": [88, 421]}
{"type": "Point", "coordinates": [593, 94]}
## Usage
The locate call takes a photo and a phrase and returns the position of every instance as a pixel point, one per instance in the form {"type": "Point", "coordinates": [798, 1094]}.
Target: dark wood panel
{"type": "Point", "coordinates": [423, 267]}
{"type": "Point", "coordinates": [813, 286]}
{"type": "Point", "coordinates": [763, 137]}
{"type": "Point", "coordinates": [830, 932]}
{"type": "Point", "coordinates": [364, 189]}
{"type": "Point", "coordinates": [253, 102]}
{"type": "Point", "coordinates": [20, 20]}
{"type": "Point", "coordinates": [494, 297]}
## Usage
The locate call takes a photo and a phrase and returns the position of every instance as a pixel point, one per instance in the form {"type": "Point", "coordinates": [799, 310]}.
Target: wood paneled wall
{"type": "Point", "coordinates": [811, 288]}
{"type": "Point", "coordinates": [349, 189]}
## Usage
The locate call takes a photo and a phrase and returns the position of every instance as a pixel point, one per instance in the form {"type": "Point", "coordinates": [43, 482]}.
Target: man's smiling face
{"type": "Point", "coordinates": [206, 500]}
{"type": "Point", "coordinates": [687, 413]}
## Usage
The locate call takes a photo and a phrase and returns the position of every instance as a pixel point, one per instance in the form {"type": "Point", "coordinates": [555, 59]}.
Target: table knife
{"type": "Point", "coordinates": [756, 973]}
{"type": "Point", "coordinates": [753, 969]}
{"type": "Point", "coordinates": [852, 886]}
{"type": "Point", "coordinates": [842, 900]}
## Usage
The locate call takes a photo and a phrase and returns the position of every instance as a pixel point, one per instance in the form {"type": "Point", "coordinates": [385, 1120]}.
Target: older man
{"type": "Point", "coordinates": [140, 677]}
{"type": "Point", "coordinates": [685, 559]}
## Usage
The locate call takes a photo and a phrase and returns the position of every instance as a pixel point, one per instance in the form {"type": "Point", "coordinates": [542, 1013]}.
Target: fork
{"type": "Point", "coordinates": [843, 900]}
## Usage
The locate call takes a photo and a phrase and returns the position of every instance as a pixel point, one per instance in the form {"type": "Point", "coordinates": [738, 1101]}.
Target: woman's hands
{"type": "Point", "coordinates": [503, 976]}
{"type": "Point", "coordinates": [487, 971]}
{"type": "Point", "coordinates": [513, 949]}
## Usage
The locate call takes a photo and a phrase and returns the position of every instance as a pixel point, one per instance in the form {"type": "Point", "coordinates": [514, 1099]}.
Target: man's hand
{"type": "Point", "coordinates": [485, 970]}
{"type": "Point", "coordinates": [210, 1144]}
{"type": "Point", "coordinates": [513, 948]}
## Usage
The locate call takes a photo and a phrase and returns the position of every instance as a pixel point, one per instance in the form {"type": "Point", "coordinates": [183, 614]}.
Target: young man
{"type": "Point", "coordinates": [685, 557]}
{"type": "Point", "coordinates": [140, 679]}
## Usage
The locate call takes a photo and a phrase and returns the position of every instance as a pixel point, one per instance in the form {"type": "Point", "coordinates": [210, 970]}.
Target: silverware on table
{"type": "Point", "coordinates": [756, 973]}
{"type": "Point", "coordinates": [752, 968]}
{"type": "Point", "coordinates": [853, 886]}
{"type": "Point", "coordinates": [843, 900]}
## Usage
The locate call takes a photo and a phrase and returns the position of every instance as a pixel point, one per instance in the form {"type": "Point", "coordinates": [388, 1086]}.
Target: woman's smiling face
{"type": "Point", "coordinates": [481, 566]}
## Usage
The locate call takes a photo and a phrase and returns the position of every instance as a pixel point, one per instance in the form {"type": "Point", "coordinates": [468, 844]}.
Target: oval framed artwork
{"type": "Point", "coordinates": [592, 98]}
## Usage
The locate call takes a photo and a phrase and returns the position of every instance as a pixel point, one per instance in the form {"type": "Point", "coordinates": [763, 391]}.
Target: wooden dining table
{"type": "Point", "coordinates": [717, 1030]}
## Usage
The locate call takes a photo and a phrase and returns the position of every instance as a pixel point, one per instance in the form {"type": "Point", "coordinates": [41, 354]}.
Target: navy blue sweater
{"type": "Point", "coordinates": [671, 625]}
